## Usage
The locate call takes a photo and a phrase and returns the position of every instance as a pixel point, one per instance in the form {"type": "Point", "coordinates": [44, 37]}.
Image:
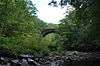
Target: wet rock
{"type": "Point", "coordinates": [24, 62]}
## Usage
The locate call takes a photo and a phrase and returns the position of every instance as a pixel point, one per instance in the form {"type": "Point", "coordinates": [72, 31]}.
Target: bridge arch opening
{"type": "Point", "coordinates": [45, 32]}
{"type": "Point", "coordinates": [52, 41]}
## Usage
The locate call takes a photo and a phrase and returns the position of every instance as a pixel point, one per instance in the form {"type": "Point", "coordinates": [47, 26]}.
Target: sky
{"type": "Point", "coordinates": [48, 13]}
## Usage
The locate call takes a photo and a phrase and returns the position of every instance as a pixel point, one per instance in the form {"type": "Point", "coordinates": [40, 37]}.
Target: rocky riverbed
{"type": "Point", "coordinates": [55, 59]}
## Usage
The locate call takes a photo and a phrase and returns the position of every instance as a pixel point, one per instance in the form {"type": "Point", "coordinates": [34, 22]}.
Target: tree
{"type": "Point", "coordinates": [19, 31]}
{"type": "Point", "coordinates": [80, 27]}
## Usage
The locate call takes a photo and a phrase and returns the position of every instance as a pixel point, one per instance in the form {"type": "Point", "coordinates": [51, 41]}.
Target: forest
{"type": "Point", "coordinates": [21, 31]}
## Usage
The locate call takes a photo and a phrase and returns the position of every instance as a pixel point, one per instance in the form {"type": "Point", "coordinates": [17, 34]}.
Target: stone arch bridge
{"type": "Point", "coordinates": [45, 32]}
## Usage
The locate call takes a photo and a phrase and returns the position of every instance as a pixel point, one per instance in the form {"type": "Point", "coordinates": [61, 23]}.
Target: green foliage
{"type": "Point", "coordinates": [19, 31]}
{"type": "Point", "coordinates": [52, 26]}
{"type": "Point", "coordinates": [79, 28]}
{"type": "Point", "coordinates": [52, 42]}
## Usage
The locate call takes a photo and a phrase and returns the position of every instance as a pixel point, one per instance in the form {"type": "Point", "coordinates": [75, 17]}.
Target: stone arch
{"type": "Point", "coordinates": [45, 32]}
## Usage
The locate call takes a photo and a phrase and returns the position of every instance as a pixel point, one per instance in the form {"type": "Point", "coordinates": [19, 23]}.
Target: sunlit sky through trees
{"type": "Point", "coordinates": [48, 13]}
